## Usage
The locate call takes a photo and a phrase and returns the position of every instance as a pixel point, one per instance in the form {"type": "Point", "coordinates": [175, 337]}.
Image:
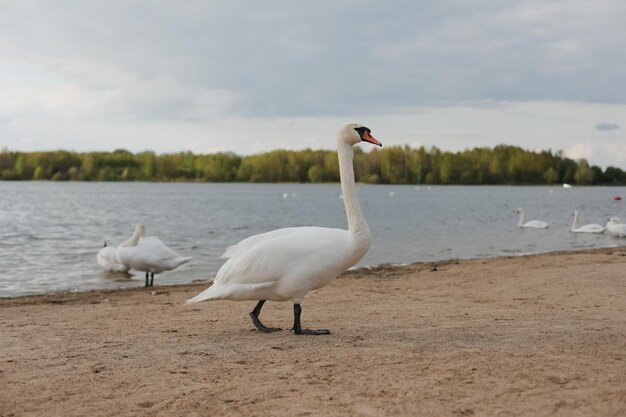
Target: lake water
{"type": "Point", "coordinates": [51, 232]}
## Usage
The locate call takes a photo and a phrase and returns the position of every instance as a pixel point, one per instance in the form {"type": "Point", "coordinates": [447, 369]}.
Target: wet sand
{"type": "Point", "coordinates": [541, 335]}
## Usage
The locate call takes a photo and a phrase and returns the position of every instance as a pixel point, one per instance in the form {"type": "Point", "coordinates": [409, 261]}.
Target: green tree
{"type": "Point", "coordinates": [38, 175]}
{"type": "Point", "coordinates": [315, 174]}
{"type": "Point", "coordinates": [551, 176]}
{"type": "Point", "coordinates": [614, 175]}
{"type": "Point", "coordinates": [398, 165]}
{"type": "Point", "coordinates": [584, 174]}
{"type": "Point", "coordinates": [88, 166]}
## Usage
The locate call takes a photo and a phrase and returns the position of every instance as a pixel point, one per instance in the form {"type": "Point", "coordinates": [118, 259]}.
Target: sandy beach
{"type": "Point", "coordinates": [541, 335]}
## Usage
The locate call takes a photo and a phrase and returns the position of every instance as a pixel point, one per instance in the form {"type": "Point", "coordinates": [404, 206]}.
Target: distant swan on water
{"type": "Point", "coordinates": [616, 227]}
{"type": "Point", "coordinates": [107, 260]}
{"type": "Point", "coordinates": [286, 264]}
{"type": "Point", "coordinates": [533, 224]}
{"type": "Point", "coordinates": [148, 254]}
{"type": "Point", "coordinates": [588, 228]}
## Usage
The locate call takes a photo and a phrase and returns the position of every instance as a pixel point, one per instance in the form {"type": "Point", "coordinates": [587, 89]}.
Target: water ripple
{"type": "Point", "coordinates": [51, 232]}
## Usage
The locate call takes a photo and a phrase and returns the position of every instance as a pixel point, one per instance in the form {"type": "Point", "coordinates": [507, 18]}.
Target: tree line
{"type": "Point", "coordinates": [392, 165]}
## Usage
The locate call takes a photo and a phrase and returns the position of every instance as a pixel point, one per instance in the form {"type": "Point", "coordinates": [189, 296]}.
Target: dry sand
{"type": "Point", "coordinates": [540, 335]}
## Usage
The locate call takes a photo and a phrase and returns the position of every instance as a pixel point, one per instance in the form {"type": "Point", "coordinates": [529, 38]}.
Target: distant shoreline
{"type": "Point", "coordinates": [502, 164]}
{"type": "Point", "coordinates": [301, 183]}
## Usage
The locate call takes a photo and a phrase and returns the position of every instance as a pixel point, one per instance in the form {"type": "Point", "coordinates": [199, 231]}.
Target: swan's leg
{"type": "Point", "coordinates": [297, 327]}
{"type": "Point", "coordinates": [146, 280]}
{"type": "Point", "coordinates": [152, 279]}
{"type": "Point", "coordinates": [257, 323]}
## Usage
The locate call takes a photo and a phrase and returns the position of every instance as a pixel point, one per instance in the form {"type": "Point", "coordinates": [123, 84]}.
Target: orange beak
{"type": "Point", "coordinates": [371, 139]}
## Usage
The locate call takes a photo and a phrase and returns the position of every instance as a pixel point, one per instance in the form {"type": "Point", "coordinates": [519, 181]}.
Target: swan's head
{"type": "Point", "coordinates": [355, 133]}
{"type": "Point", "coordinates": [615, 220]}
{"type": "Point", "coordinates": [520, 210]}
{"type": "Point", "coordinates": [108, 242]}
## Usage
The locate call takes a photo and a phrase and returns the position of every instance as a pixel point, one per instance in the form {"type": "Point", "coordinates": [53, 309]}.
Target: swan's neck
{"type": "Point", "coordinates": [134, 239]}
{"type": "Point", "coordinates": [575, 220]}
{"type": "Point", "coordinates": [521, 218]}
{"type": "Point", "coordinates": [356, 221]}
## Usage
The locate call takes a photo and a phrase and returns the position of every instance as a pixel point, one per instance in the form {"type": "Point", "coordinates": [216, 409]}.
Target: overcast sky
{"type": "Point", "coordinates": [251, 76]}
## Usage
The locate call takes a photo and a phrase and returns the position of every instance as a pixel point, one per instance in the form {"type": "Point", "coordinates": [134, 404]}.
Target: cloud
{"type": "Point", "coordinates": [530, 125]}
{"type": "Point", "coordinates": [329, 58]}
{"type": "Point", "coordinates": [219, 75]}
{"type": "Point", "coordinates": [580, 151]}
{"type": "Point", "coordinates": [607, 126]}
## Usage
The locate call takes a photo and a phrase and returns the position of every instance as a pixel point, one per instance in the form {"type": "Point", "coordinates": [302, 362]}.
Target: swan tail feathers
{"type": "Point", "coordinates": [204, 295]}
{"type": "Point", "coordinates": [237, 292]}
{"type": "Point", "coordinates": [175, 263]}
{"type": "Point", "coordinates": [214, 292]}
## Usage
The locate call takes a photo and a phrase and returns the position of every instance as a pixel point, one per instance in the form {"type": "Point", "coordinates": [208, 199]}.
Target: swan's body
{"type": "Point", "coordinates": [533, 224]}
{"type": "Point", "coordinates": [286, 264]}
{"type": "Point", "coordinates": [148, 254]}
{"type": "Point", "coordinates": [304, 259]}
{"type": "Point", "coordinates": [107, 260]}
{"type": "Point", "coordinates": [616, 227]}
{"type": "Point", "coordinates": [588, 228]}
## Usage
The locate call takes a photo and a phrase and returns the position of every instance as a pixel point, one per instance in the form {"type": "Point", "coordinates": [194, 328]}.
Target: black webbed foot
{"type": "Point", "coordinates": [261, 327]}
{"type": "Point", "coordinates": [254, 314]}
{"type": "Point", "coordinates": [297, 327]}
{"type": "Point", "coordinates": [313, 332]}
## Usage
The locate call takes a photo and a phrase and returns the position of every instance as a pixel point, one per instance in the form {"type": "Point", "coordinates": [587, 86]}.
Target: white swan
{"type": "Point", "coordinates": [286, 264]}
{"type": "Point", "coordinates": [107, 260]}
{"type": "Point", "coordinates": [533, 224]}
{"type": "Point", "coordinates": [148, 254]}
{"type": "Point", "coordinates": [588, 228]}
{"type": "Point", "coordinates": [616, 227]}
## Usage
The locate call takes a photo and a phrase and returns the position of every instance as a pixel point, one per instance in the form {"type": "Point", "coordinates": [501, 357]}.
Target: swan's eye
{"type": "Point", "coordinates": [361, 131]}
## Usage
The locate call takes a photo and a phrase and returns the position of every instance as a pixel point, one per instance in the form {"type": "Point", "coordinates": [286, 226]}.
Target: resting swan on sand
{"type": "Point", "coordinates": [148, 254]}
{"type": "Point", "coordinates": [616, 227]}
{"type": "Point", "coordinates": [533, 224]}
{"type": "Point", "coordinates": [588, 228]}
{"type": "Point", "coordinates": [107, 260]}
{"type": "Point", "coordinates": [286, 264]}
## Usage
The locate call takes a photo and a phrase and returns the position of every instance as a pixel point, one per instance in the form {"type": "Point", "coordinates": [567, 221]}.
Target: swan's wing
{"type": "Point", "coordinates": [536, 224]}
{"type": "Point", "coordinates": [106, 256]}
{"type": "Point", "coordinates": [107, 260]}
{"type": "Point", "coordinates": [617, 229]}
{"type": "Point", "coordinates": [152, 247]}
{"type": "Point", "coordinates": [124, 254]}
{"type": "Point", "coordinates": [247, 243]}
{"type": "Point", "coordinates": [592, 228]}
{"type": "Point", "coordinates": [139, 258]}
{"type": "Point", "coordinates": [150, 254]}
{"type": "Point", "coordinates": [302, 250]}
{"type": "Point", "coordinates": [297, 261]}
